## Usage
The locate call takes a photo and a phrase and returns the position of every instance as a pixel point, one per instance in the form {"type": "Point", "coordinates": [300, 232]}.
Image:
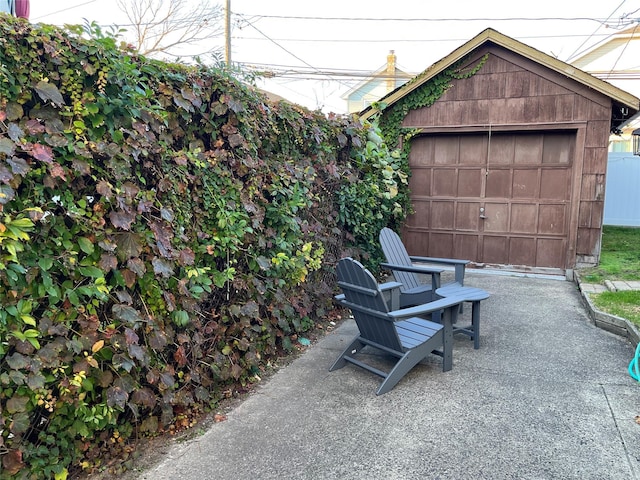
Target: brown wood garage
{"type": "Point", "coordinates": [508, 167]}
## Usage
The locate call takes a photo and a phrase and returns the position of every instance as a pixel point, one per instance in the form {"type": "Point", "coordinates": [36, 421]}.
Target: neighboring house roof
{"type": "Point", "coordinates": [624, 99]}
{"type": "Point", "coordinates": [380, 75]}
{"type": "Point", "coordinates": [384, 80]}
{"type": "Point", "coordinates": [607, 57]}
{"type": "Point", "coordinates": [615, 60]}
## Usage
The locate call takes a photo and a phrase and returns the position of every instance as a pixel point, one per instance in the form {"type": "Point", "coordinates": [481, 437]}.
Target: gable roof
{"type": "Point", "coordinates": [489, 35]}
{"type": "Point", "coordinates": [377, 76]}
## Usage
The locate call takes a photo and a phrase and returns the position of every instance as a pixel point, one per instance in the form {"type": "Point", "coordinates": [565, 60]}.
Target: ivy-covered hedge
{"type": "Point", "coordinates": [164, 232]}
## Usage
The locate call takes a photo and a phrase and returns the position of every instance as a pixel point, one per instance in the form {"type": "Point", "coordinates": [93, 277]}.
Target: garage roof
{"type": "Point", "coordinates": [619, 97]}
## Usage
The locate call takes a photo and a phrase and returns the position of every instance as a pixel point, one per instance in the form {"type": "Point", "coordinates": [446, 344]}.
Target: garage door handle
{"type": "Point", "coordinates": [482, 215]}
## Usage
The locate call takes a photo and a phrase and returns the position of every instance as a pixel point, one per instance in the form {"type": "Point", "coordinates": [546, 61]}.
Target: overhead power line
{"type": "Point", "coordinates": [449, 19]}
{"type": "Point", "coordinates": [63, 10]}
{"type": "Point", "coordinates": [402, 40]}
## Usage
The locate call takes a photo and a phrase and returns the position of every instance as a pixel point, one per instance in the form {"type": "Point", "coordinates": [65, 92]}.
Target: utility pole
{"type": "Point", "coordinates": [227, 33]}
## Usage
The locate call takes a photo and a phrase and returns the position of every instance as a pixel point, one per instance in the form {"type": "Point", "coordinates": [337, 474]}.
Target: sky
{"type": "Point", "coordinates": [316, 51]}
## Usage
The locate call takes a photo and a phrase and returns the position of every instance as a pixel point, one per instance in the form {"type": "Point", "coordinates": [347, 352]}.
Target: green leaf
{"type": "Point", "coordinates": [72, 296]}
{"type": "Point", "coordinates": [180, 318]}
{"type": "Point", "coordinates": [93, 272]}
{"type": "Point", "coordinates": [7, 146]}
{"type": "Point", "coordinates": [20, 423]}
{"type": "Point", "coordinates": [31, 333]}
{"type": "Point", "coordinates": [45, 263]}
{"type": "Point", "coordinates": [86, 245]}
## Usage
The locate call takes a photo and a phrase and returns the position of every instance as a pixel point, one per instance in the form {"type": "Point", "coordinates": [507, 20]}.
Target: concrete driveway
{"type": "Point", "coordinates": [547, 396]}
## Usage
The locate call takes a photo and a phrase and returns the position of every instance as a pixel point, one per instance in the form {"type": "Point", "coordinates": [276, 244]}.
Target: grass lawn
{"type": "Point", "coordinates": [620, 256]}
{"type": "Point", "coordinates": [619, 260]}
{"type": "Point", "coordinates": [622, 304]}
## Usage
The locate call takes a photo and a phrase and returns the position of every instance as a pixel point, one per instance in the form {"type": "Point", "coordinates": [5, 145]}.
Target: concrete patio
{"type": "Point", "coordinates": [547, 396]}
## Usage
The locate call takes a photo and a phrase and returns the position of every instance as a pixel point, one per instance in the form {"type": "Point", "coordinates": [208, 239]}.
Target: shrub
{"type": "Point", "coordinates": [164, 231]}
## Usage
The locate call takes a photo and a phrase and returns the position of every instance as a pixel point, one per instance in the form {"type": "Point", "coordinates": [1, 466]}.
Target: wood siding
{"type": "Point", "coordinates": [521, 106]}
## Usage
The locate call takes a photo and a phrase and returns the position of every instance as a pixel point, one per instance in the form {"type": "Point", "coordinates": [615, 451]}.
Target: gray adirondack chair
{"type": "Point", "coordinates": [404, 334]}
{"type": "Point", "coordinates": [413, 291]}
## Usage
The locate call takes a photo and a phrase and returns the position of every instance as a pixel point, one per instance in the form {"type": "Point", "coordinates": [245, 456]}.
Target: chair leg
{"type": "Point", "coordinates": [475, 323]}
{"type": "Point", "coordinates": [409, 360]}
{"type": "Point", "coordinates": [449, 317]}
{"type": "Point", "coordinates": [354, 347]}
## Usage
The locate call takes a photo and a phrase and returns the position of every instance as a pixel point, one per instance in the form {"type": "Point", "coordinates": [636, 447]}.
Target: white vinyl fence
{"type": "Point", "coordinates": [622, 190]}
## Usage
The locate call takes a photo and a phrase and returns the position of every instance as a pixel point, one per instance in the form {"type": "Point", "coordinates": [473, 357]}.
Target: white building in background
{"type": "Point", "coordinates": [617, 60]}
{"type": "Point", "coordinates": [376, 86]}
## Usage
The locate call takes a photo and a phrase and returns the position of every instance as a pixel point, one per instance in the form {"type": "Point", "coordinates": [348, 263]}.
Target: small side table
{"type": "Point", "coordinates": [470, 294]}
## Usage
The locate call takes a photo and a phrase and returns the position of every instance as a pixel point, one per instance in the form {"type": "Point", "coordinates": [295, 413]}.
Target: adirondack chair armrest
{"type": "Point", "coordinates": [390, 288]}
{"type": "Point", "coordinates": [412, 268]}
{"type": "Point", "coordinates": [430, 307]}
{"type": "Point", "coordinates": [445, 261]}
{"type": "Point", "coordinates": [434, 272]}
{"type": "Point", "coordinates": [458, 264]}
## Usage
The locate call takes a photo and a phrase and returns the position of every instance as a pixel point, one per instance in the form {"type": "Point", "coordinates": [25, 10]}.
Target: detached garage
{"type": "Point", "coordinates": [508, 164]}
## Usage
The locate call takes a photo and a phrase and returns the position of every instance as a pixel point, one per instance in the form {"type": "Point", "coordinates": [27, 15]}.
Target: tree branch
{"type": "Point", "coordinates": [161, 26]}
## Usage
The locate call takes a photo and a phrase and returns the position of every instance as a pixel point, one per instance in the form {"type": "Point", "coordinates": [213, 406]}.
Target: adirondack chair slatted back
{"type": "Point", "coordinates": [395, 253]}
{"type": "Point", "coordinates": [364, 298]}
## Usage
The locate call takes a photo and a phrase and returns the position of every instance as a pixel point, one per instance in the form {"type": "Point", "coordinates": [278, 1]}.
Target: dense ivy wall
{"type": "Point", "coordinates": [164, 232]}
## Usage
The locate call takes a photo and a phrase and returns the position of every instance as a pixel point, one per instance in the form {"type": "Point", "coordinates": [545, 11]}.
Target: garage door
{"type": "Point", "coordinates": [494, 198]}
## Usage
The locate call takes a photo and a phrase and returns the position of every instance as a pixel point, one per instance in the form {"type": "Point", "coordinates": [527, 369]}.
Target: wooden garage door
{"type": "Point", "coordinates": [493, 198]}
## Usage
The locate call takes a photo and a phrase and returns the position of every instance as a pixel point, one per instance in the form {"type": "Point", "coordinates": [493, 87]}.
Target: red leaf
{"type": "Point", "coordinates": [34, 126]}
{"type": "Point", "coordinates": [137, 352]}
{"type": "Point", "coordinates": [104, 377]}
{"type": "Point", "coordinates": [104, 189]}
{"type": "Point", "coordinates": [57, 170]}
{"type": "Point", "coordinates": [81, 167]}
{"type": "Point", "coordinates": [129, 277]}
{"type": "Point", "coordinates": [44, 153]}
{"type": "Point", "coordinates": [137, 266]}
{"type": "Point", "coordinates": [162, 267]}
{"type": "Point", "coordinates": [180, 356]}
{"type": "Point", "coordinates": [12, 462]}
{"type": "Point", "coordinates": [170, 300]}
{"type": "Point", "coordinates": [131, 337]}
{"type": "Point", "coordinates": [130, 189]}
{"type": "Point", "coordinates": [108, 262]}
{"type": "Point", "coordinates": [144, 396]}
{"type": "Point", "coordinates": [48, 91]}
{"type": "Point", "coordinates": [235, 140]}
{"type": "Point", "coordinates": [157, 341]}
{"type": "Point", "coordinates": [122, 219]}
{"type": "Point", "coordinates": [180, 160]}
{"type": "Point", "coordinates": [187, 257]}
{"type": "Point", "coordinates": [17, 404]}
{"type": "Point", "coordinates": [163, 234]}
{"type": "Point", "coordinates": [117, 397]}
{"type": "Point", "coordinates": [5, 175]}
{"type": "Point", "coordinates": [167, 379]}
{"type": "Point", "coordinates": [236, 371]}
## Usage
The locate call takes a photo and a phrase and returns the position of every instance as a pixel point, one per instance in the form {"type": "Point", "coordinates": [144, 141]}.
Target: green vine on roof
{"type": "Point", "coordinates": [391, 116]}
